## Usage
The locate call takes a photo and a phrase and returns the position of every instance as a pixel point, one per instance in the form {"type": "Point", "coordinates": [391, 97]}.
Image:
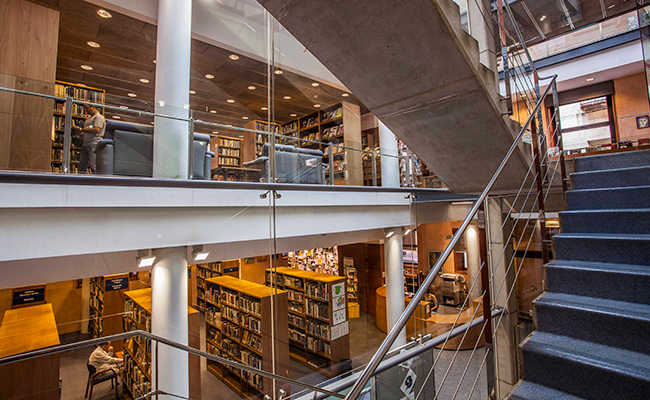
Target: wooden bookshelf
{"type": "Point", "coordinates": [259, 139]}
{"type": "Point", "coordinates": [318, 318]}
{"type": "Point", "coordinates": [229, 151]}
{"type": "Point", "coordinates": [106, 304]}
{"type": "Point", "coordinates": [78, 92]}
{"type": "Point", "coordinates": [137, 351]}
{"type": "Point", "coordinates": [238, 326]}
{"type": "Point", "coordinates": [203, 272]}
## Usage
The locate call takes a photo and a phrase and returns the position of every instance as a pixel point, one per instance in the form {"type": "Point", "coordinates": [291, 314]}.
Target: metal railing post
{"type": "Point", "coordinates": [190, 129]}
{"type": "Point", "coordinates": [540, 191]}
{"type": "Point", "coordinates": [504, 55]}
{"type": "Point", "coordinates": [557, 130]}
{"type": "Point", "coordinates": [487, 299]}
{"type": "Point", "coordinates": [374, 168]}
{"type": "Point", "coordinates": [67, 136]}
{"type": "Point", "coordinates": [330, 165]}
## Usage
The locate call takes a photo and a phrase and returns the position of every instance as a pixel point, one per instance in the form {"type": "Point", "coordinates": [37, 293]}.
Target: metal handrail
{"type": "Point", "coordinates": [126, 335]}
{"type": "Point", "coordinates": [424, 287]}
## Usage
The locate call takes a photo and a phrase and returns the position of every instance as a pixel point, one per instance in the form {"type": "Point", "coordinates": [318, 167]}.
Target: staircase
{"type": "Point", "coordinates": [593, 324]}
{"type": "Point", "coordinates": [413, 66]}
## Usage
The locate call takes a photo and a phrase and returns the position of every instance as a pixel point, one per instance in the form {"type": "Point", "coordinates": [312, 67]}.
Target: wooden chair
{"type": "Point", "coordinates": [95, 377]}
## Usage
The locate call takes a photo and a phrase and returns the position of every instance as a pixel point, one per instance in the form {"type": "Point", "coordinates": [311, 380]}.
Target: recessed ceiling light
{"type": "Point", "coordinates": [116, 116]}
{"type": "Point", "coordinates": [590, 79]}
{"type": "Point", "coordinates": [265, 108]}
{"type": "Point", "coordinates": [234, 57]}
{"type": "Point", "coordinates": [92, 44]}
{"type": "Point", "coordinates": [287, 97]}
{"type": "Point", "coordinates": [278, 72]}
{"type": "Point", "coordinates": [87, 67]}
{"type": "Point", "coordinates": [345, 94]}
{"type": "Point", "coordinates": [244, 117]}
{"type": "Point", "coordinates": [124, 107]}
{"type": "Point", "coordinates": [209, 76]}
{"type": "Point", "coordinates": [543, 18]}
{"type": "Point", "coordinates": [294, 115]}
{"type": "Point", "coordinates": [314, 84]}
{"type": "Point", "coordinates": [132, 95]}
{"type": "Point", "coordinates": [144, 80]}
{"type": "Point", "coordinates": [104, 13]}
{"type": "Point", "coordinates": [317, 105]}
{"type": "Point", "coordinates": [230, 101]}
{"type": "Point", "coordinates": [213, 111]}
{"type": "Point", "coordinates": [612, 6]}
{"type": "Point", "coordinates": [192, 92]}
{"type": "Point", "coordinates": [252, 87]}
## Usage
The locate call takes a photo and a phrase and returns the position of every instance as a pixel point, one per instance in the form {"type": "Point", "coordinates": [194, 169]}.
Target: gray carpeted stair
{"type": "Point", "coordinates": [593, 337]}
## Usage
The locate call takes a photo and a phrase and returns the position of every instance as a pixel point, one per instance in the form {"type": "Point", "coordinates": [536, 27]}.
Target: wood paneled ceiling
{"type": "Point", "coordinates": [127, 54]}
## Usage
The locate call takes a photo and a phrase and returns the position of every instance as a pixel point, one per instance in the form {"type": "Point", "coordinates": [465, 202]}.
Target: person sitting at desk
{"type": "Point", "coordinates": [102, 358]}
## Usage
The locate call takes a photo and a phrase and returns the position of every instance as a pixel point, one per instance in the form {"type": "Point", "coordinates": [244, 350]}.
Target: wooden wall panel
{"type": "Point", "coordinates": [352, 139]}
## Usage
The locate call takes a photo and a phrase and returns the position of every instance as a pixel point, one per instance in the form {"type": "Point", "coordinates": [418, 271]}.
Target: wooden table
{"type": "Point", "coordinates": [238, 173]}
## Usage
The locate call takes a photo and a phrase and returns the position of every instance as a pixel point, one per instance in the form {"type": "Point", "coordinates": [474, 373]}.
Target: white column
{"type": "Point", "coordinates": [395, 297]}
{"type": "Point", "coordinates": [170, 370]}
{"type": "Point", "coordinates": [171, 137]}
{"type": "Point", "coordinates": [389, 160]}
{"type": "Point", "coordinates": [473, 256]}
{"type": "Point", "coordinates": [480, 31]}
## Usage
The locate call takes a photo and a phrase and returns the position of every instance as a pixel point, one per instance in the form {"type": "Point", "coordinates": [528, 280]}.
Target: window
{"type": "Point", "coordinates": [587, 123]}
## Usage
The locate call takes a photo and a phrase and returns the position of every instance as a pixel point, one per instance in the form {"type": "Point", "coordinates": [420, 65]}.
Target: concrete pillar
{"type": "Point", "coordinates": [473, 266]}
{"type": "Point", "coordinates": [389, 160]}
{"type": "Point", "coordinates": [169, 320]}
{"type": "Point", "coordinates": [85, 304]}
{"type": "Point", "coordinates": [395, 296]}
{"type": "Point", "coordinates": [480, 31]}
{"type": "Point", "coordinates": [171, 137]}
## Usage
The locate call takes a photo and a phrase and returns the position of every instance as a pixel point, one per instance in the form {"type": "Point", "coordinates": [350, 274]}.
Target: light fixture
{"type": "Point", "coordinates": [192, 92]}
{"type": "Point", "coordinates": [345, 94]}
{"type": "Point", "coordinates": [612, 6]}
{"type": "Point", "coordinates": [132, 95]}
{"type": "Point", "coordinates": [87, 67]}
{"type": "Point", "coordinates": [241, 135]}
{"type": "Point", "coordinates": [287, 97]}
{"type": "Point", "coordinates": [406, 232]}
{"type": "Point", "coordinates": [116, 117]}
{"type": "Point", "coordinates": [199, 254]}
{"type": "Point", "coordinates": [144, 80]}
{"type": "Point", "coordinates": [145, 258]}
{"type": "Point", "coordinates": [244, 117]}
{"type": "Point", "coordinates": [265, 108]}
{"type": "Point", "coordinates": [590, 79]}
{"type": "Point", "coordinates": [92, 44]}
{"type": "Point", "coordinates": [234, 57]}
{"type": "Point", "coordinates": [462, 203]}
{"type": "Point", "coordinates": [315, 84]}
{"type": "Point", "coordinates": [124, 107]}
{"type": "Point", "coordinates": [294, 115]}
{"type": "Point", "coordinates": [209, 76]}
{"type": "Point", "coordinates": [278, 72]}
{"type": "Point", "coordinates": [80, 84]}
{"type": "Point", "coordinates": [230, 101]}
{"type": "Point", "coordinates": [390, 233]}
{"type": "Point", "coordinates": [152, 122]}
{"type": "Point", "coordinates": [316, 105]}
{"type": "Point", "coordinates": [215, 132]}
{"type": "Point", "coordinates": [213, 111]}
{"type": "Point", "coordinates": [252, 87]}
{"type": "Point", "coordinates": [104, 13]}
{"type": "Point", "coordinates": [542, 18]}
{"type": "Point", "coordinates": [154, 61]}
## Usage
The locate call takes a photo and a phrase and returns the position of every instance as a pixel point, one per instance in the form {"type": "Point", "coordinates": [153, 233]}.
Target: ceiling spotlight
{"type": "Point", "coordinates": [317, 105]}
{"type": "Point", "coordinates": [145, 258]}
{"type": "Point", "coordinates": [406, 232]}
{"type": "Point", "coordinates": [590, 79]}
{"type": "Point", "coordinates": [198, 254]}
{"type": "Point", "coordinates": [287, 97]}
{"type": "Point", "coordinates": [192, 92]}
{"type": "Point", "coordinates": [209, 76]}
{"type": "Point", "coordinates": [389, 234]}
{"type": "Point", "coordinates": [234, 57]}
{"type": "Point", "coordinates": [104, 13]}
{"type": "Point", "coordinates": [230, 101]}
{"type": "Point", "coordinates": [542, 18]}
{"type": "Point", "coordinates": [251, 87]}
{"type": "Point", "coordinates": [132, 95]}
{"type": "Point", "coordinates": [345, 94]}
{"type": "Point", "coordinates": [244, 117]}
{"type": "Point", "coordinates": [294, 115]}
{"type": "Point", "coordinates": [116, 117]}
{"type": "Point", "coordinates": [278, 72]}
{"type": "Point", "coordinates": [92, 44]}
{"type": "Point", "coordinates": [265, 108]}
{"type": "Point", "coordinates": [124, 107]}
{"type": "Point", "coordinates": [87, 67]}
{"type": "Point", "coordinates": [213, 111]}
{"type": "Point", "coordinates": [315, 84]}
{"type": "Point", "coordinates": [144, 80]}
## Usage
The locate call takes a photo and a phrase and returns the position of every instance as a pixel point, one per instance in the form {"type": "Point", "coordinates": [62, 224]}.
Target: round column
{"type": "Point", "coordinates": [389, 160]}
{"type": "Point", "coordinates": [473, 257]}
{"type": "Point", "coordinates": [395, 296]}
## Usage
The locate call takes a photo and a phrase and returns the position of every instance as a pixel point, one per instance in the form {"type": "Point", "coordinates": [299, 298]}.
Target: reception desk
{"type": "Point", "coordinates": [424, 322]}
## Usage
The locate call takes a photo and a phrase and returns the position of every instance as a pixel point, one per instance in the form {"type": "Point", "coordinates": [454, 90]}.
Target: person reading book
{"type": "Point", "coordinates": [103, 359]}
{"type": "Point", "coordinates": [93, 132]}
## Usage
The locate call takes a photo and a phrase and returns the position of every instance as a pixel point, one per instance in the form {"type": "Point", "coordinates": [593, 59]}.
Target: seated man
{"type": "Point", "coordinates": [103, 359]}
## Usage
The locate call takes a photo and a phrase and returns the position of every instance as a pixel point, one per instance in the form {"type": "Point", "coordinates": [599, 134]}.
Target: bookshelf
{"type": "Point", "coordinates": [318, 320]}
{"type": "Point", "coordinates": [78, 92]}
{"type": "Point", "coordinates": [259, 139]}
{"type": "Point", "coordinates": [229, 151]}
{"type": "Point", "coordinates": [238, 326]}
{"type": "Point", "coordinates": [212, 270]}
{"type": "Point", "coordinates": [105, 302]}
{"type": "Point", "coordinates": [136, 374]}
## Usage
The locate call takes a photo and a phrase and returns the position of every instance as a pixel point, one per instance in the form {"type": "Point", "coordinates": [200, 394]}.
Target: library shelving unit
{"type": "Point", "coordinates": [28, 329]}
{"type": "Point", "coordinates": [137, 370]}
{"type": "Point", "coordinates": [203, 272]}
{"type": "Point", "coordinates": [106, 305]}
{"type": "Point", "coordinates": [238, 326]}
{"type": "Point", "coordinates": [258, 138]}
{"type": "Point", "coordinates": [318, 319]}
{"type": "Point", "coordinates": [229, 151]}
{"type": "Point", "coordinates": [78, 92]}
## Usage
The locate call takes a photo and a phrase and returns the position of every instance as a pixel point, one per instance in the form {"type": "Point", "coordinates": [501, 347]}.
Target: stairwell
{"type": "Point", "coordinates": [593, 324]}
{"type": "Point", "coordinates": [413, 66]}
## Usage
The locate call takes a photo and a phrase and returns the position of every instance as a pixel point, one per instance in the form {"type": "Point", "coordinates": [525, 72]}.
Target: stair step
{"type": "Point", "coordinates": [585, 369]}
{"type": "Point", "coordinates": [621, 282]}
{"type": "Point", "coordinates": [533, 391]}
{"type": "Point", "coordinates": [613, 198]}
{"type": "Point", "coordinates": [610, 178]}
{"type": "Point", "coordinates": [614, 248]}
{"type": "Point", "coordinates": [608, 322]}
{"type": "Point", "coordinates": [606, 221]}
{"type": "Point", "coordinates": [611, 161]}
